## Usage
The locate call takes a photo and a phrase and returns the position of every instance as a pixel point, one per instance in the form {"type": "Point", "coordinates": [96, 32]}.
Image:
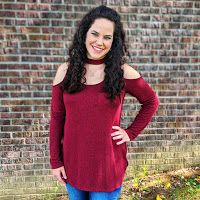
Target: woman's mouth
{"type": "Point", "coordinates": [97, 49]}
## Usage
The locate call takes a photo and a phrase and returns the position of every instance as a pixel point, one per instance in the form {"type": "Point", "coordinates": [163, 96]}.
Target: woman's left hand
{"type": "Point", "coordinates": [120, 134]}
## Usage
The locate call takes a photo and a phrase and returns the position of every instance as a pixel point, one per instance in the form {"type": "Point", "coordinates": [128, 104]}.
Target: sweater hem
{"type": "Point", "coordinates": [93, 190]}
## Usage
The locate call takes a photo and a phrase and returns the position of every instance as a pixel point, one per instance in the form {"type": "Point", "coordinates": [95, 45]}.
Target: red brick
{"type": "Point", "coordinates": [14, 6]}
{"type": "Point", "coordinates": [163, 43]}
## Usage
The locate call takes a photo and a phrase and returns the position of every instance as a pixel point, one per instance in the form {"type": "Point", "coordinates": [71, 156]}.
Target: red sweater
{"type": "Point", "coordinates": [80, 133]}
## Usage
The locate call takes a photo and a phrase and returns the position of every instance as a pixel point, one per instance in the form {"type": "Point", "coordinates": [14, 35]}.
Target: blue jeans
{"type": "Point", "coordinates": [76, 194]}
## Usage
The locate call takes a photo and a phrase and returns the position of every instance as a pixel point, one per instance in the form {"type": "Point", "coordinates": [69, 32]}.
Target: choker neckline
{"type": "Point", "coordinates": [95, 62]}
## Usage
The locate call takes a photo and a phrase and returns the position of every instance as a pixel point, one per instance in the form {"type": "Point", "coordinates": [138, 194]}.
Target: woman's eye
{"type": "Point", "coordinates": [107, 38]}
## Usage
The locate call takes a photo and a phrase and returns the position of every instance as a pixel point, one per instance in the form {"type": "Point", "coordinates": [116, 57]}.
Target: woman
{"type": "Point", "coordinates": [87, 145]}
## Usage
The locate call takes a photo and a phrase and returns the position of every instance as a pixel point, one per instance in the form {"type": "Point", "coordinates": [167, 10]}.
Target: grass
{"type": "Point", "coordinates": [181, 184]}
{"type": "Point", "coordinates": [175, 185]}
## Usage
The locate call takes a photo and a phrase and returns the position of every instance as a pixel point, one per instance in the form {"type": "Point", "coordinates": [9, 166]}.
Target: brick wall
{"type": "Point", "coordinates": [163, 38]}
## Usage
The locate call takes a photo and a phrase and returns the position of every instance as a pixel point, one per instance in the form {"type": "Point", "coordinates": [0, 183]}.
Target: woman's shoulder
{"type": "Point", "coordinates": [130, 72]}
{"type": "Point", "coordinates": [60, 73]}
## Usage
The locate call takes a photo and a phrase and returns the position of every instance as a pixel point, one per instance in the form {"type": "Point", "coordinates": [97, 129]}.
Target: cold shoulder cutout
{"type": "Point", "coordinates": [130, 72]}
{"type": "Point", "coordinates": [60, 74]}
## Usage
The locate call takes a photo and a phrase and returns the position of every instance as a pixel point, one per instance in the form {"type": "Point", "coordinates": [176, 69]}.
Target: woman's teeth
{"type": "Point", "coordinates": [97, 49]}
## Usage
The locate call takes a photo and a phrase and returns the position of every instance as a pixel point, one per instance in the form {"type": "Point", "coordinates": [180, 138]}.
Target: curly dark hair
{"type": "Point", "coordinates": [113, 81]}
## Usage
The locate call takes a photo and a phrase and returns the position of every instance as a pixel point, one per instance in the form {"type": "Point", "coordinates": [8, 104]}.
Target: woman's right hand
{"type": "Point", "coordinates": [59, 173]}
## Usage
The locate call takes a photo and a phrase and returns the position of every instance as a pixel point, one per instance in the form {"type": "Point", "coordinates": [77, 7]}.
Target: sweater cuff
{"type": "Point", "coordinates": [55, 164]}
{"type": "Point", "coordinates": [131, 136]}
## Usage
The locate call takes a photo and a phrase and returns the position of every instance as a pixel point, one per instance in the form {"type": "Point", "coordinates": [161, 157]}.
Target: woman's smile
{"type": "Point", "coordinates": [97, 49]}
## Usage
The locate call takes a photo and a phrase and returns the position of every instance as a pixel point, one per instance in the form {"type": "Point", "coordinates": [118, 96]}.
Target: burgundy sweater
{"type": "Point", "coordinates": [80, 133]}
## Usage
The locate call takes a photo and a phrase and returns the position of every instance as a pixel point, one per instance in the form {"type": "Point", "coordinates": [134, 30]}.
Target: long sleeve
{"type": "Point", "coordinates": [57, 121]}
{"type": "Point", "coordinates": [142, 91]}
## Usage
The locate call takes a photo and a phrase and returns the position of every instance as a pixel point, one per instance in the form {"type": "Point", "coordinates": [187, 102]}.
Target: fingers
{"type": "Point", "coordinates": [121, 134]}
{"type": "Point", "coordinates": [116, 133]}
{"type": "Point", "coordinates": [63, 173]}
{"type": "Point", "coordinates": [116, 127]}
{"type": "Point", "coordinates": [120, 142]}
{"type": "Point", "coordinates": [118, 137]}
{"type": "Point", "coordinates": [59, 173]}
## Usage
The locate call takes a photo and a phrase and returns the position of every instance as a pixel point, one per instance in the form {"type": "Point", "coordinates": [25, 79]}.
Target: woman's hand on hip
{"type": "Point", "coordinates": [59, 173]}
{"type": "Point", "coordinates": [120, 134]}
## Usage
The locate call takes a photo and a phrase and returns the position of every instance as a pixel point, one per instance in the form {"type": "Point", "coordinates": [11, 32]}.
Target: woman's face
{"type": "Point", "coordinates": [99, 38]}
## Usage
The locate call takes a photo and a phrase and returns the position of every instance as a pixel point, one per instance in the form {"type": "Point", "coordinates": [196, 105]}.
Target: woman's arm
{"type": "Point", "coordinates": [142, 91]}
{"type": "Point", "coordinates": [57, 119]}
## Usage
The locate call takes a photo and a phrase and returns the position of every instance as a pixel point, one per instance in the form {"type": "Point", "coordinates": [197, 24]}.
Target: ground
{"type": "Point", "coordinates": [174, 185]}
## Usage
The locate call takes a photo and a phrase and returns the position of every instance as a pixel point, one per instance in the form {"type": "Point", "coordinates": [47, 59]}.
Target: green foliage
{"type": "Point", "coordinates": [189, 189]}
{"type": "Point", "coordinates": [51, 192]}
{"type": "Point", "coordinates": [164, 186]}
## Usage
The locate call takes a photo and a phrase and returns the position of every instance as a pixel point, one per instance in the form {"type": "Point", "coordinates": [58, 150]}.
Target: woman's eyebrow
{"type": "Point", "coordinates": [105, 35]}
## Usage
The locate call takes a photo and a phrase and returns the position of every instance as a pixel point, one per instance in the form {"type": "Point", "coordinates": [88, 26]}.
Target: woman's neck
{"type": "Point", "coordinates": [95, 62]}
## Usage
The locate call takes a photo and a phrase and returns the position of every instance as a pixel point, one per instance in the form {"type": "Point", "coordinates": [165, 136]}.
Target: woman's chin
{"type": "Point", "coordinates": [96, 57]}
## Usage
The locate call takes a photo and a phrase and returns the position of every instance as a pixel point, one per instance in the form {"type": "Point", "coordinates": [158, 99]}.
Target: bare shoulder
{"type": "Point", "coordinates": [130, 72]}
{"type": "Point", "coordinates": [60, 73]}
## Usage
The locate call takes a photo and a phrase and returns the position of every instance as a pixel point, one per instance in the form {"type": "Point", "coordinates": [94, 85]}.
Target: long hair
{"type": "Point", "coordinates": [113, 81]}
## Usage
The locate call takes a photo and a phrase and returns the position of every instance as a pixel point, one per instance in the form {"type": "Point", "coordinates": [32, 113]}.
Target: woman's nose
{"type": "Point", "coordinates": [99, 41]}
